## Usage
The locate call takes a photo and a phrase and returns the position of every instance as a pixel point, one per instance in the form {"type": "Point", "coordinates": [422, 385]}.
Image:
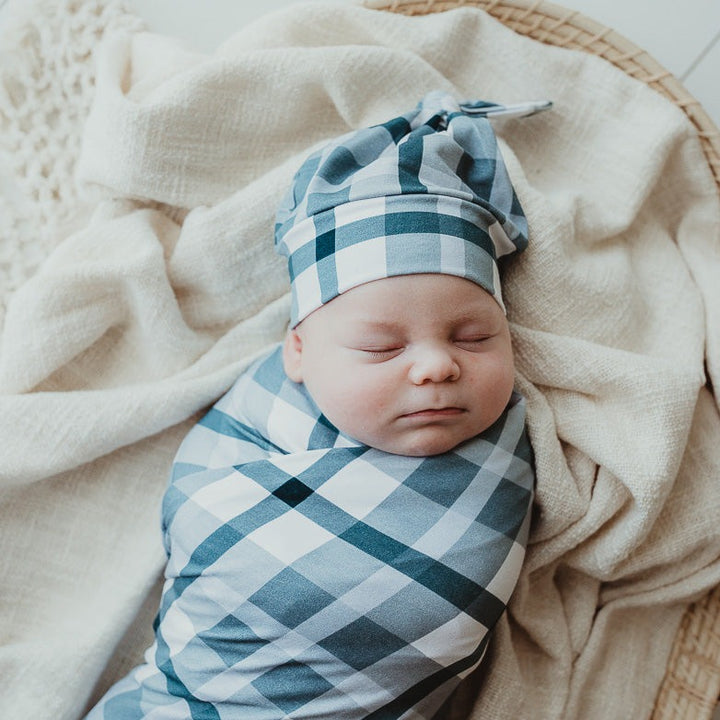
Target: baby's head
{"type": "Point", "coordinates": [392, 234]}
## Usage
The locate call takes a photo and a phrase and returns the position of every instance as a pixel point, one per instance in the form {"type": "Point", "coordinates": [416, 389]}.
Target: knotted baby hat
{"type": "Point", "coordinates": [425, 192]}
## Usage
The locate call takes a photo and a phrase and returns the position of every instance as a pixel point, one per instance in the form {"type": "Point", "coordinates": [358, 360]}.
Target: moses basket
{"type": "Point", "coordinates": [691, 686]}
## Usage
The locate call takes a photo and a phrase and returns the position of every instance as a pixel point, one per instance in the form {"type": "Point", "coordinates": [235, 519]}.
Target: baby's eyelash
{"type": "Point", "coordinates": [379, 353]}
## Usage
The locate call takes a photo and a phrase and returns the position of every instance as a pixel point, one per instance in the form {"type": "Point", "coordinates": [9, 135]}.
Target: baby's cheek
{"type": "Point", "coordinates": [494, 381]}
{"type": "Point", "coordinates": [502, 387]}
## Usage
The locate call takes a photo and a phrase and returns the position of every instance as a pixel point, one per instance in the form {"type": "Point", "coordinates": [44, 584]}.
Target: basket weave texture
{"type": "Point", "coordinates": [691, 686]}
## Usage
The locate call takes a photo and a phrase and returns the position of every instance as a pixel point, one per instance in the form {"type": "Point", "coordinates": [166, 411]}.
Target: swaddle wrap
{"type": "Point", "coordinates": [311, 576]}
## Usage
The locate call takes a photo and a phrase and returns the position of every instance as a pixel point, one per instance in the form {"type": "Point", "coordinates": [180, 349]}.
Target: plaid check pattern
{"type": "Point", "coordinates": [426, 192]}
{"type": "Point", "coordinates": [310, 576]}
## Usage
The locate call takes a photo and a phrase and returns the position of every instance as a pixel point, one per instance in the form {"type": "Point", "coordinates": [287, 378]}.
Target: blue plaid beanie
{"type": "Point", "coordinates": [425, 192]}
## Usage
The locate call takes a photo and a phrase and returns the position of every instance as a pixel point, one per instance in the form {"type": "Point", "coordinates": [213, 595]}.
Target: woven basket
{"type": "Point", "coordinates": [691, 687]}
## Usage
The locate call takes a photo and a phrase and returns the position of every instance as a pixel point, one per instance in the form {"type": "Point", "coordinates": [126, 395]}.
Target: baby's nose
{"type": "Point", "coordinates": [434, 364]}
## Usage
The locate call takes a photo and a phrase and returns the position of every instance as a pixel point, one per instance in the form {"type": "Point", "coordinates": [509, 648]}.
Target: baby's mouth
{"type": "Point", "coordinates": [435, 412]}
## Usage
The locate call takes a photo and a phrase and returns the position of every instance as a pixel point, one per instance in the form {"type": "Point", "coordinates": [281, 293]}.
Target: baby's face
{"type": "Point", "coordinates": [412, 365]}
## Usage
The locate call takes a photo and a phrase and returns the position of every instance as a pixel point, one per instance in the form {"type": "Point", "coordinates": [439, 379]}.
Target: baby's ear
{"type": "Point", "coordinates": [292, 352]}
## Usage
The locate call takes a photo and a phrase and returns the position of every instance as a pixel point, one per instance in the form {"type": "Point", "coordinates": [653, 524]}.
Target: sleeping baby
{"type": "Point", "coordinates": [346, 525]}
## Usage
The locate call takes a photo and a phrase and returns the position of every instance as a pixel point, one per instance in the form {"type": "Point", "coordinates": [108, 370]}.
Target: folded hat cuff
{"type": "Point", "coordinates": [364, 240]}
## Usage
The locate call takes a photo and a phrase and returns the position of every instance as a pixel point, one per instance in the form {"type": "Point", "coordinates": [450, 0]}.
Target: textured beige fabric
{"type": "Point", "coordinates": [46, 87]}
{"type": "Point", "coordinates": [146, 314]}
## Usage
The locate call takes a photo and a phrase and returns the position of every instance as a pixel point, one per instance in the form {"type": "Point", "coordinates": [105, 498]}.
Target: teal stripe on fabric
{"type": "Point", "coordinates": [320, 202]}
{"type": "Point", "coordinates": [457, 589]}
{"type": "Point", "coordinates": [398, 128]}
{"type": "Point", "coordinates": [291, 685]}
{"type": "Point", "coordinates": [413, 223]}
{"type": "Point", "coordinates": [503, 512]}
{"type": "Point", "coordinates": [324, 434]}
{"type": "Point", "coordinates": [477, 173]}
{"type": "Point", "coordinates": [410, 698]}
{"type": "Point", "coordinates": [181, 469]}
{"type": "Point", "coordinates": [230, 534]}
{"type": "Point", "coordinates": [126, 705]}
{"type": "Point", "coordinates": [175, 686]}
{"type": "Point", "coordinates": [303, 177]}
{"type": "Point", "coordinates": [339, 165]}
{"type": "Point", "coordinates": [183, 487]}
{"type": "Point", "coordinates": [410, 162]}
{"type": "Point", "coordinates": [225, 425]}
{"type": "Point", "coordinates": [301, 260]}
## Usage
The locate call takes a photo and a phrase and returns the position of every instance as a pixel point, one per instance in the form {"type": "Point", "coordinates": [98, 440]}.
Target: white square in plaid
{"type": "Point", "coordinates": [307, 290]}
{"type": "Point", "coordinates": [496, 286]}
{"type": "Point", "coordinates": [393, 520]}
{"type": "Point", "coordinates": [243, 566]}
{"type": "Point", "coordinates": [183, 629]}
{"type": "Point", "coordinates": [503, 245]}
{"type": "Point", "coordinates": [331, 619]}
{"type": "Point", "coordinates": [365, 692]}
{"type": "Point", "coordinates": [452, 255]}
{"type": "Point", "coordinates": [499, 461]}
{"type": "Point", "coordinates": [443, 534]}
{"type": "Point", "coordinates": [370, 255]}
{"type": "Point", "coordinates": [397, 669]}
{"type": "Point", "coordinates": [294, 464]}
{"type": "Point", "coordinates": [230, 496]}
{"type": "Point", "coordinates": [359, 210]}
{"type": "Point", "coordinates": [476, 496]}
{"type": "Point", "coordinates": [177, 561]}
{"type": "Point", "coordinates": [358, 498]}
{"type": "Point", "coordinates": [372, 591]}
{"type": "Point", "coordinates": [453, 640]}
{"type": "Point", "coordinates": [501, 192]}
{"type": "Point", "coordinates": [200, 450]}
{"type": "Point", "coordinates": [502, 585]}
{"type": "Point", "coordinates": [226, 451]}
{"type": "Point", "coordinates": [434, 173]}
{"type": "Point", "coordinates": [143, 672]}
{"type": "Point", "coordinates": [224, 685]}
{"type": "Point", "coordinates": [290, 536]}
{"type": "Point", "coordinates": [321, 567]}
{"type": "Point", "coordinates": [373, 178]}
{"type": "Point", "coordinates": [301, 233]}
{"type": "Point", "coordinates": [294, 644]}
{"type": "Point", "coordinates": [197, 525]}
{"type": "Point", "coordinates": [343, 441]}
{"type": "Point", "coordinates": [172, 711]}
{"type": "Point", "coordinates": [258, 398]}
{"type": "Point", "coordinates": [242, 675]}
{"type": "Point", "coordinates": [413, 612]}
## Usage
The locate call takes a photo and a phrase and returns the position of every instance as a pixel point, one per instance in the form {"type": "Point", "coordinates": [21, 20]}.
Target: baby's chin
{"type": "Point", "coordinates": [426, 443]}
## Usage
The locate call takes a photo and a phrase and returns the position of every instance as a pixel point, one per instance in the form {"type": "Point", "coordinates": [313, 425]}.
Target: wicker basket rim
{"type": "Point", "coordinates": [561, 27]}
{"type": "Point", "coordinates": [691, 686]}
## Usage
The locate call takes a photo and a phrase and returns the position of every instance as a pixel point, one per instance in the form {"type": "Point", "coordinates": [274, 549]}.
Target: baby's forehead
{"type": "Point", "coordinates": [394, 301]}
{"type": "Point", "coordinates": [420, 286]}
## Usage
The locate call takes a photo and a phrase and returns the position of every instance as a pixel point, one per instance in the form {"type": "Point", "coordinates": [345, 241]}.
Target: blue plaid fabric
{"type": "Point", "coordinates": [310, 576]}
{"type": "Point", "coordinates": [426, 192]}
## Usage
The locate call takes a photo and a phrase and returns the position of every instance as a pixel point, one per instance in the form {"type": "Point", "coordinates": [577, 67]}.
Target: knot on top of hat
{"type": "Point", "coordinates": [424, 192]}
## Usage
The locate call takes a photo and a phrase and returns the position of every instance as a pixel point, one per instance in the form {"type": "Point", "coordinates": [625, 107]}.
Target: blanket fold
{"type": "Point", "coordinates": [145, 314]}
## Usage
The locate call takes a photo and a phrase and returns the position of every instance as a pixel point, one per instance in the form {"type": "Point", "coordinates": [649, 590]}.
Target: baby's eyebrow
{"type": "Point", "coordinates": [479, 318]}
{"type": "Point", "coordinates": [378, 325]}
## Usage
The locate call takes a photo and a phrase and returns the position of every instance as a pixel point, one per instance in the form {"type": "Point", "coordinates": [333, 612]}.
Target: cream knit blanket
{"type": "Point", "coordinates": [146, 312]}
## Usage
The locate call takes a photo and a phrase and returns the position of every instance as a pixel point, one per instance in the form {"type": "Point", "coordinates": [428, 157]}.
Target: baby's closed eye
{"type": "Point", "coordinates": [381, 352]}
{"type": "Point", "coordinates": [472, 342]}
